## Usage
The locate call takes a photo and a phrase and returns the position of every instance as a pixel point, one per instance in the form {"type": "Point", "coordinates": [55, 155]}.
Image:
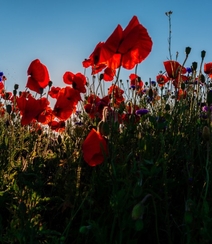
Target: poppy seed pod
{"type": "Point", "coordinates": [16, 86]}
{"type": "Point", "coordinates": [9, 108]}
{"type": "Point", "coordinates": [194, 66]}
{"type": "Point", "coordinates": [202, 78]}
{"type": "Point", "coordinates": [50, 83]}
{"type": "Point", "coordinates": [150, 93]}
{"type": "Point", "coordinates": [14, 92]}
{"type": "Point", "coordinates": [203, 53]}
{"type": "Point", "coordinates": [187, 50]}
{"type": "Point", "coordinates": [206, 133]}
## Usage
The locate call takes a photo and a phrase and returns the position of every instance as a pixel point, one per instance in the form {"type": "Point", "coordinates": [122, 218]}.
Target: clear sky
{"type": "Point", "coordinates": [62, 33]}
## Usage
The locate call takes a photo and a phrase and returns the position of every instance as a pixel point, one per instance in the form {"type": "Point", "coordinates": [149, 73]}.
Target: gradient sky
{"type": "Point", "coordinates": [63, 33]}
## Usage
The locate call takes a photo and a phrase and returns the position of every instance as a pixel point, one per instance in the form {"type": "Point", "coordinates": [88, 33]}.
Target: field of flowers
{"type": "Point", "coordinates": [127, 164]}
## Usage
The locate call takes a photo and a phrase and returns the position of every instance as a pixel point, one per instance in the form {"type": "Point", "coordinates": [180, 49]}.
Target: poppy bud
{"type": "Point", "coordinates": [138, 211]}
{"type": "Point", "coordinates": [9, 108]}
{"type": "Point", "coordinates": [101, 77]}
{"type": "Point", "coordinates": [194, 66]}
{"type": "Point", "coordinates": [150, 93]}
{"type": "Point", "coordinates": [209, 97]}
{"type": "Point", "coordinates": [203, 53]}
{"type": "Point", "coordinates": [202, 78]}
{"type": "Point", "coordinates": [41, 91]}
{"type": "Point", "coordinates": [50, 83]}
{"type": "Point", "coordinates": [16, 86]}
{"type": "Point", "coordinates": [206, 133]}
{"type": "Point", "coordinates": [84, 229]}
{"type": "Point", "coordinates": [14, 92]}
{"type": "Point", "coordinates": [187, 50]}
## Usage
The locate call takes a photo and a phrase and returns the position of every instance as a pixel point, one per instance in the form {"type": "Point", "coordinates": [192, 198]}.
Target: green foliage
{"type": "Point", "coordinates": [156, 177]}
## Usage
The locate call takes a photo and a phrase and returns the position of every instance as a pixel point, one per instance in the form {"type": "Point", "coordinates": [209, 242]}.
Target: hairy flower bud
{"type": "Point", "coordinates": [138, 211]}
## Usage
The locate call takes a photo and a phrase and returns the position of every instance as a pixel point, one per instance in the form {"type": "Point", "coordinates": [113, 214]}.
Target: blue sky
{"type": "Point", "coordinates": [63, 33]}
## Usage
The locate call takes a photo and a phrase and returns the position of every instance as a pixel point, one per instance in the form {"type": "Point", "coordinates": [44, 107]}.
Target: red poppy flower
{"type": "Point", "coordinates": [162, 79]}
{"type": "Point", "coordinates": [46, 116]}
{"type": "Point", "coordinates": [1, 87]}
{"type": "Point", "coordinates": [181, 94]}
{"type": "Point", "coordinates": [173, 68]}
{"type": "Point", "coordinates": [54, 92]}
{"type": "Point", "coordinates": [109, 74]}
{"type": "Point", "coordinates": [94, 148]}
{"type": "Point", "coordinates": [77, 81]}
{"type": "Point", "coordinates": [6, 95]}
{"type": "Point", "coordinates": [38, 76]}
{"type": "Point", "coordinates": [66, 103]}
{"type": "Point", "coordinates": [25, 106]}
{"type": "Point", "coordinates": [97, 68]}
{"type": "Point", "coordinates": [135, 81]}
{"type": "Point", "coordinates": [91, 107]}
{"type": "Point", "coordinates": [57, 126]}
{"type": "Point", "coordinates": [92, 98]}
{"type": "Point", "coordinates": [208, 69]}
{"type": "Point", "coordinates": [116, 93]}
{"type": "Point", "coordinates": [126, 47]}
{"type": "Point", "coordinates": [93, 59]}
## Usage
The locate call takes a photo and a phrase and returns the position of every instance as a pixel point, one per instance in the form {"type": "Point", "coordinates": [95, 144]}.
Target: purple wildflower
{"type": "Point", "coordinates": [141, 111]}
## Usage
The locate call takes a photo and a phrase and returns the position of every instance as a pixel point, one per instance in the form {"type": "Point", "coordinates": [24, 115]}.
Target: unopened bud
{"type": "Point", "coordinates": [84, 229]}
{"type": "Point", "coordinates": [16, 86]}
{"type": "Point", "coordinates": [50, 83]}
{"type": "Point", "coordinates": [187, 50]}
{"type": "Point", "coordinates": [101, 77]}
{"type": "Point", "coordinates": [150, 93]}
{"type": "Point", "coordinates": [203, 53]}
{"type": "Point", "coordinates": [138, 211]}
{"type": "Point", "coordinates": [202, 78]}
{"type": "Point", "coordinates": [9, 108]}
{"type": "Point", "coordinates": [194, 66]}
{"type": "Point", "coordinates": [14, 92]}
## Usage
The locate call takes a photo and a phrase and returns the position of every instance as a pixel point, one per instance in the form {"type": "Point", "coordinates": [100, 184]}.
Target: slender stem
{"type": "Point", "coordinates": [170, 31]}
